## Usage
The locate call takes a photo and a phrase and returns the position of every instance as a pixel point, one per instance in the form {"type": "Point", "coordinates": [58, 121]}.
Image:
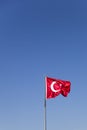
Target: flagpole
{"type": "Point", "coordinates": [45, 122]}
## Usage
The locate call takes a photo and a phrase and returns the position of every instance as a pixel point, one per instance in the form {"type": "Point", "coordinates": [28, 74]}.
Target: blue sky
{"type": "Point", "coordinates": [38, 39]}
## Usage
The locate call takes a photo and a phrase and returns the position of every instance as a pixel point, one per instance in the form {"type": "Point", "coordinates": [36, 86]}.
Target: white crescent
{"type": "Point", "coordinates": [52, 87]}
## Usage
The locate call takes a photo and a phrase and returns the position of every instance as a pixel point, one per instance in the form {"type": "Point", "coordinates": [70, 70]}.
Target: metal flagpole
{"type": "Point", "coordinates": [45, 122]}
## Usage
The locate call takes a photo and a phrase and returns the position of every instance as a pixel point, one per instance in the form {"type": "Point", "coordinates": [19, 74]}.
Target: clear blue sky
{"type": "Point", "coordinates": [38, 39]}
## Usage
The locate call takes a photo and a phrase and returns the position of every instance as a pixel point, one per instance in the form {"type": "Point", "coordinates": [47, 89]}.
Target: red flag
{"type": "Point", "coordinates": [54, 87]}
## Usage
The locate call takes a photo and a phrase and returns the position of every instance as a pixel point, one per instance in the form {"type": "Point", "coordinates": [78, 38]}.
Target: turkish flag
{"type": "Point", "coordinates": [54, 87]}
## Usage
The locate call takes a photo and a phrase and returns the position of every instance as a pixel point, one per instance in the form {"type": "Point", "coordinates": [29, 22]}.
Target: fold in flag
{"type": "Point", "coordinates": [54, 87]}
